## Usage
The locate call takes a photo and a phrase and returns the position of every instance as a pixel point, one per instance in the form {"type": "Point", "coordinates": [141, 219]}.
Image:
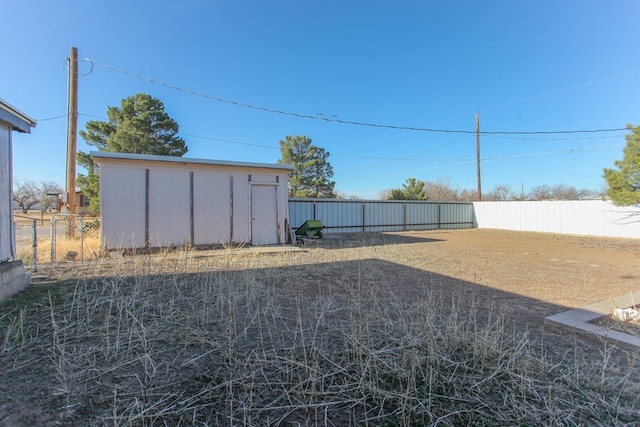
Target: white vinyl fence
{"type": "Point", "coordinates": [584, 217]}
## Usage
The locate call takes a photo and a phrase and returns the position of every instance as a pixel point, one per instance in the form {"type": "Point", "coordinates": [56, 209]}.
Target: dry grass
{"type": "Point", "coordinates": [323, 338]}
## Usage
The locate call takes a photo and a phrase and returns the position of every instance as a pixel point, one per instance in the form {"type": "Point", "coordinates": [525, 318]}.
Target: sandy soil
{"type": "Point", "coordinates": [530, 275]}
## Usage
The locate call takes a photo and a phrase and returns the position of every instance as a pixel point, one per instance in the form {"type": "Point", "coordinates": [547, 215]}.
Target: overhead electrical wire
{"type": "Point", "coordinates": [410, 156]}
{"type": "Point", "coordinates": [336, 119]}
{"type": "Point", "coordinates": [52, 118]}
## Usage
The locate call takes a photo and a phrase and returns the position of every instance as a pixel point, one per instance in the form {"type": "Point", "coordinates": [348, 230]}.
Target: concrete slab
{"type": "Point", "coordinates": [13, 279]}
{"type": "Point", "coordinates": [578, 320]}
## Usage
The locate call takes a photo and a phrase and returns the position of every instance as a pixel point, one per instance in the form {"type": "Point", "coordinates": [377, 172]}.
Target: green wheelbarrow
{"type": "Point", "coordinates": [311, 228]}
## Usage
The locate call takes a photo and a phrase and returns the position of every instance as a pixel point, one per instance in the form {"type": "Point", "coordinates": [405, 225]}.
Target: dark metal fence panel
{"type": "Point", "coordinates": [340, 216]}
{"type": "Point", "coordinates": [299, 212]}
{"type": "Point", "coordinates": [455, 215]}
{"type": "Point", "coordinates": [383, 216]}
{"type": "Point", "coordinates": [423, 216]}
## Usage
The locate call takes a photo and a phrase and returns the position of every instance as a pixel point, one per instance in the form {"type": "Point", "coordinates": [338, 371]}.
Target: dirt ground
{"type": "Point", "coordinates": [523, 276]}
{"type": "Point", "coordinates": [527, 275]}
{"type": "Point", "coordinates": [530, 275]}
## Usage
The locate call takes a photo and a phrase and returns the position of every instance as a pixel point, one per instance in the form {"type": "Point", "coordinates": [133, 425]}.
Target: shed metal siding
{"type": "Point", "coordinates": [241, 207]}
{"type": "Point", "coordinates": [122, 200]}
{"type": "Point", "coordinates": [169, 207]}
{"type": "Point", "coordinates": [195, 201]}
{"type": "Point", "coordinates": [212, 207]}
{"type": "Point", "coordinates": [6, 225]}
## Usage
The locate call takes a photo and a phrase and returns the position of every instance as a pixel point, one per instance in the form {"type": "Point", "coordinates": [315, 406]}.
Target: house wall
{"type": "Point", "coordinates": [6, 224]}
{"type": "Point", "coordinates": [170, 203]}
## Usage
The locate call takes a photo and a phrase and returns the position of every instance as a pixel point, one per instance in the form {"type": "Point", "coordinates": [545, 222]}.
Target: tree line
{"type": "Point", "coordinates": [442, 189]}
{"type": "Point", "coordinates": [141, 125]}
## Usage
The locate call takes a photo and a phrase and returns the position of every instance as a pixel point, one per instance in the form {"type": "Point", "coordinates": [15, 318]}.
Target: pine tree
{"type": "Point", "coordinates": [140, 125]}
{"type": "Point", "coordinates": [312, 175]}
{"type": "Point", "coordinates": [624, 182]}
{"type": "Point", "coordinates": [412, 189]}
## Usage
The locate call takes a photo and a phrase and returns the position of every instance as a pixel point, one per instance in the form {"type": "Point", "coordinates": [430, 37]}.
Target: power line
{"type": "Point", "coordinates": [227, 140]}
{"type": "Point", "coordinates": [411, 157]}
{"type": "Point", "coordinates": [52, 118]}
{"type": "Point", "coordinates": [582, 138]}
{"type": "Point", "coordinates": [335, 118]}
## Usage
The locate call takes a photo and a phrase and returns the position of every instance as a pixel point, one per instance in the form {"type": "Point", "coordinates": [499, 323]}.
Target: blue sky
{"type": "Point", "coordinates": [525, 66]}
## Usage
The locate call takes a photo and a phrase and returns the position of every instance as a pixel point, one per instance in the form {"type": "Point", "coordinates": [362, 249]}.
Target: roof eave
{"type": "Point", "coordinates": [98, 155]}
{"type": "Point", "coordinates": [18, 120]}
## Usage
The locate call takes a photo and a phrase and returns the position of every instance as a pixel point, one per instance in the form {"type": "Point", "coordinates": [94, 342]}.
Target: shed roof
{"type": "Point", "coordinates": [101, 155]}
{"type": "Point", "coordinates": [17, 119]}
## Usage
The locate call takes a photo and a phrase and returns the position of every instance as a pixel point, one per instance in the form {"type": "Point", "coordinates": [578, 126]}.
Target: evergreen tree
{"type": "Point", "coordinates": [312, 175]}
{"type": "Point", "coordinates": [412, 189]}
{"type": "Point", "coordinates": [624, 182]}
{"type": "Point", "coordinates": [140, 125]}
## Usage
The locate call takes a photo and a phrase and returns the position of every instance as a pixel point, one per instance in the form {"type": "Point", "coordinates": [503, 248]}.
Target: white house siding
{"type": "Point", "coordinates": [158, 201]}
{"type": "Point", "coordinates": [6, 226]}
{"type": "Point", "coordinates": [583, 217]}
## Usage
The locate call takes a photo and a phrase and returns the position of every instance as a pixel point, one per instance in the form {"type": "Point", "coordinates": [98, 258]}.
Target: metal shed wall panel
{"type": "Point", "coordinates": [169, 207]}
{"type": "Point", "coordinates": [241, 208]}
{"type": "Point", "coordinates": [6, 225]}
{"type": "Point", "coordinates": [212, 207]}
{"type": "Point", "coordinates": [122, 199]}
{"type": "Point", "coordinates": [191, 201]}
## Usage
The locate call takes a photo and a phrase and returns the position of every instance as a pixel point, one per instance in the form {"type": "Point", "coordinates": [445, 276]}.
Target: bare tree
{"type": "Point", "coordinates": [49, 192]}
{"type": "Point", "coordinates": [384, 194]}
{"type": "Point", "coordinates": [468, 195]}
{"type": "Point", "coordinates": [541, 192]}
{"type": "Point", "coordinates": [441, 189]}
{"type": "Point", "coordinates": [500, 192]}
{"type": "Point", "coordinates": [26, 194]}
{"type": "Point", "coordinates": [560, 192]}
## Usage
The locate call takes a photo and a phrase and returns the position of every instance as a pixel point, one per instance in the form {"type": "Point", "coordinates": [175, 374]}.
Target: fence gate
{"type": "Point", "coordinates": [67, 238]}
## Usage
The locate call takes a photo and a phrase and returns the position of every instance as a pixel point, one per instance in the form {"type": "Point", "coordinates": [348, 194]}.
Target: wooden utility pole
{"type": "Point", "coordinates": [478, 155]}
{"type": "Point", "coordinates": [72, 130]}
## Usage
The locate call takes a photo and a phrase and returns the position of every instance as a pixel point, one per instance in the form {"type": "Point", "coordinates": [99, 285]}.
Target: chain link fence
{"type": "Point", "coordinates": [56, 238]}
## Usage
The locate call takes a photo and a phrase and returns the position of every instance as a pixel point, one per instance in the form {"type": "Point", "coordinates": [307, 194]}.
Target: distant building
{"type": "Point", "coordinates": [12, 275]}
{"type": "Point", "coordinates": [81, 203]}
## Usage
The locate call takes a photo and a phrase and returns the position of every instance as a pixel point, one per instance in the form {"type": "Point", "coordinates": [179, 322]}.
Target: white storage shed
{"type": "Point", "coordinates": [160, 201]}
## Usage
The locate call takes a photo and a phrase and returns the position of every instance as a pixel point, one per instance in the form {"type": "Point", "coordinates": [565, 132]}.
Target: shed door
{"type": "Point", "coordinates": [264, 215]}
